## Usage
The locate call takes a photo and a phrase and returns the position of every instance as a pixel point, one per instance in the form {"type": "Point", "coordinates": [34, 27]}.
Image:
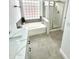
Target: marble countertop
{"type": "Point", "coordinates": [17, 44]}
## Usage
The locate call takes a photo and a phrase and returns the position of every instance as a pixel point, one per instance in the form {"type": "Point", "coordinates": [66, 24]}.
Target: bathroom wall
{"type": "Point", "coordinates": [64, 14]}
{"type": "Point", "coordinates": [14, 14]}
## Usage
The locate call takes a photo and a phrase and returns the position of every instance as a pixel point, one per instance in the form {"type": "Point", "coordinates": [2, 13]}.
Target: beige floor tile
{"type": "Point", "coordinates": [46, 46]}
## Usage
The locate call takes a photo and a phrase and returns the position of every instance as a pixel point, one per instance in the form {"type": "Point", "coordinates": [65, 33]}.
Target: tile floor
{"type": "Point", "coordinates": [46, 46]}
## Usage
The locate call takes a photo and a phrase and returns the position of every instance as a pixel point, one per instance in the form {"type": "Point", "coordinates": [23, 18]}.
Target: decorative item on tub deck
{"type": "Point", "coordinates": [22, 20]}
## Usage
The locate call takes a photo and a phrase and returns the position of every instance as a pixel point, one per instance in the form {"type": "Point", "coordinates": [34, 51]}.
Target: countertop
{"type": "Point", "coordinates": [17, 44]}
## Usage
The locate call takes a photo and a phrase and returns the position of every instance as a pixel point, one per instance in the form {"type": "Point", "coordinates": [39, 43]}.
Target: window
{"type": "Point", "coordinates": [31, 9]}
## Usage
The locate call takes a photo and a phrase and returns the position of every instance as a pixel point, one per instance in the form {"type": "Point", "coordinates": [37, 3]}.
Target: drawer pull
{"type": "Point", "coordinates": [29, 49]}
{"type": "Point", "coordinates": [28, 42]}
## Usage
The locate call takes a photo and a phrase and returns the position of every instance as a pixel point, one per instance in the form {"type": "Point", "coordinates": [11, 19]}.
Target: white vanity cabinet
{"type": "Point", "coordinates": [18, 45]}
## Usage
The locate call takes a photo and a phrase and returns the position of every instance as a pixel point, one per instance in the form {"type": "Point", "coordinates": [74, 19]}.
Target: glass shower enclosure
{"type": "Point", "coordinates": [53, 10]}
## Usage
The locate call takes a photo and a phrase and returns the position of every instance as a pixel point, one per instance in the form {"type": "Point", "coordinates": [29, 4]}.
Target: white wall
{"type": "Point", "coordinates": [14, 14]}
{"type": "Point", "coordinates": [64, 14]}
{"type": "Point", "coordinates": [65, 46]}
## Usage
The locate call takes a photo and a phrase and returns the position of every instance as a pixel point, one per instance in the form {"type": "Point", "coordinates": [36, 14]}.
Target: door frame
{"type": "Point", "coordinates": [21, 8]}
{"type": "Point", "coordinates": [64, 14]}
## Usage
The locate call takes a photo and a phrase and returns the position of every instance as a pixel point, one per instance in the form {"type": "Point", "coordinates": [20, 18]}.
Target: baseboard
{"type": "Point", "coordinates": [63, 54]}
{"type": "Point", "coordinates": [55, 29]}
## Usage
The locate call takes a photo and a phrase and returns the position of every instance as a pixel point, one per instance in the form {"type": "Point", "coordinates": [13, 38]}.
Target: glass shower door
{"type": "Point", "coordinates": [57, 14]}
{"type": "Point", "coordinates": [53, 11]}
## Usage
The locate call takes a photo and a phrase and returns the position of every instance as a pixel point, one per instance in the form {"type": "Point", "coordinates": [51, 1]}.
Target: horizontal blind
{"type": "Point", "coordinates": [31, 9]}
